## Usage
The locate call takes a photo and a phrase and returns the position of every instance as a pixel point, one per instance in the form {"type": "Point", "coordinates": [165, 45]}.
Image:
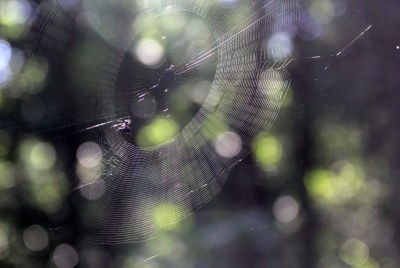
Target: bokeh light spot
{"type": "Point", "coordinates": [37, 159]}
{"type": "Point", "coordinates": [15, 12]}
{"type": "Point", "coordinates": [17, 60]}
{"type": "Point", "coordinates": [33, 75]}
{"type": "Point", "coordinates": [88, 19]}
{"type": "Point", "coordinates": [309, 28]}
{"type": "Point", "coordinates": [200, 91]}
{"type": "Point", "coordinates": [286, 209]}
{"type": "Point", "coordinates": [149, 52]}
{"type": "Point", "coordinates": [65, 256]}
{"type": "Point", "coordinates": [43, 156]}
{"type": "Point", "coordinates": [271, 84]}
{"type": "Point", "coordinates": [45, 194]}
{"type": "Point", "coordinates": [173, 25]}
{"type": "Point", "coordinates": [5, 76]}
{"type": "Point", "coordinates": [36, 238]}
{"type": "Point", "coordinates": [318, 183]}
{"type": "Point", "coordinates": [337, 185]}
{"type": "Point", "coordinates": [5, 53]}
{"type": "Point", "coordinates": [282, 41]}
{"type": "Point", "coordinates": [167, 215]}
{"type": "Point", "coordinates": [197, 30]}
{"type": "Point", "coordinates": [89, 154]}
{"type": "Point", "coordinates": [159, 131]}
{"type": "Point", "coordinates": [267, 149]}
{"type": "Point", "coordinates": [354, 252]}
{"type": "Point", "coordinates": [228, 144]}
{"type": "Point", "coordinates": [92, 191]}
{"type": "Point", "coordinates": [370, 263]}
{"type": "Point", "coordinates": [5, 56]}
{"type": "Point", "coordinates": [88, 174]}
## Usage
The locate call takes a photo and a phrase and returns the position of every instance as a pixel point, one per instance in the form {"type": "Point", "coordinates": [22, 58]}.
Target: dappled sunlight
{"type": "Point", "coordinates": [200, 133]}
{"type": "Point", "coordinates": [159, 131]}
{"type": "Point", "coordinates": [337, 185]}
{"type": "Point", "coordinates": [354, 252]}
{"type": "Point", "coordinates": [267, 150]}
{"type": "Point", "coordinates": [150, 52]}
{"type": "Point", "coordinates": [36, 238]}
{"type": "Point", "coordinates": [37, 155]}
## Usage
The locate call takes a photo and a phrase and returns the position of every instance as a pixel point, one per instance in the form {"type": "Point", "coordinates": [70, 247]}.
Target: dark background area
{"type": "Point", "coordinates": [340, 118]}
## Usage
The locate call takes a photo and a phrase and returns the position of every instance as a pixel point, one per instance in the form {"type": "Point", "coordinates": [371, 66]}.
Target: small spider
{"type": "Point", "coordinates": [124, 125]}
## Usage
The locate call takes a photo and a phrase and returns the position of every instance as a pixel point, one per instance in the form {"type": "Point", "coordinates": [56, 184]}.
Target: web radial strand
{"type": "Point", "coordinates": [94, 81]}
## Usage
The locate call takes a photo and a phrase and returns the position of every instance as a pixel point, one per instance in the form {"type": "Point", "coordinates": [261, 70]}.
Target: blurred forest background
{"type": "Point", "coordinates": [325, 195]}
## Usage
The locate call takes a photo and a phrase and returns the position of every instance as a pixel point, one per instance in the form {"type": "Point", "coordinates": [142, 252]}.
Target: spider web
{"type": "Point", "coordinates": [249, 56]}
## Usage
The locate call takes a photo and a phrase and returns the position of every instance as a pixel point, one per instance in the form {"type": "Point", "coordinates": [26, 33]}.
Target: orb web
{"type": "Point", "coordinates": [196, 107]}
{"type": "Point", "coordinates": [165, 89]}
